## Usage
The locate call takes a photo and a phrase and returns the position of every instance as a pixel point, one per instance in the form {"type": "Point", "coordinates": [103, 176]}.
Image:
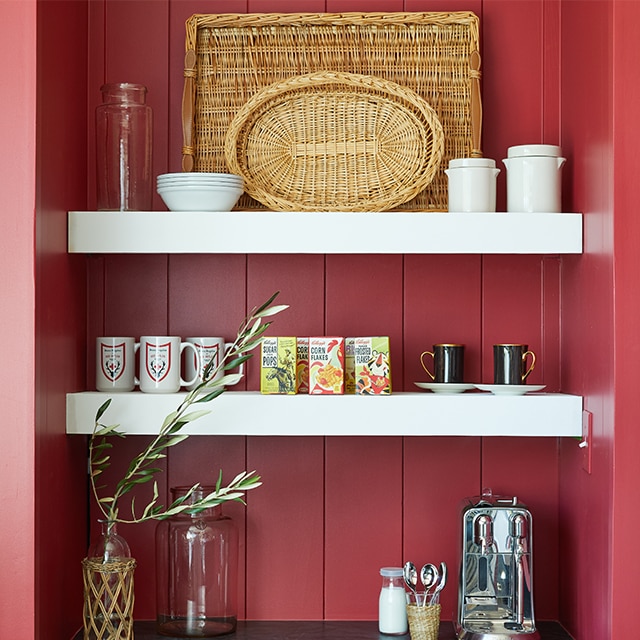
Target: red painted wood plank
{"type": "Point", "coordinates": [372, 286]}
{"type": "Point", "coordinates": [285, 537]}
{"type": "Point", "coordinates": [442, 304]}
{"type": "Point", "coordinates": [207, 296]}
{"type": "Point", "coordinates": [363, 521]}
{"type": "Point", "coordinates": [551, 311]}
{"type": "Point", "coordinates": [300, 280]}
{"type": "Point", "coordinates": [432, 498]}
{"type": "Point", "coordinates": [95, 315]}
{"type": "Point", "coordinates": [511, 116]}
{"type": "Point", "coordinates": [512, 309]}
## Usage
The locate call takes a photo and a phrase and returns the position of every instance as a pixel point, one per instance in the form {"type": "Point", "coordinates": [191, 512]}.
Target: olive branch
{"type": "Point", "coordinates": [143, 467]}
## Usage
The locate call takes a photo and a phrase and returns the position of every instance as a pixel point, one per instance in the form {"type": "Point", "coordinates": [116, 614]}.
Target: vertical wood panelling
{"type": "Point", "coordinates": [363, 521]}
{"type": "Point", "coordinates": [438, 474]}
{"type": "Point", "coordinates": [364, 298]}
{"type": "Point", "coordinates": [512, 309]}
{"type": "Point", "coordinates": [512, 76]}
{"type": "Point", "coordinates": [207, 296]}
{"type": "Point", "coordinates": [344, 507]}
{"type": "Point", "coordinates": [550, 367]}
{"type": "Point", "coordinates": [300, 280]}
{"type": "Point", "coordinates": [285, 538]}
{"type": "Point", "coordinates": [442, 297]}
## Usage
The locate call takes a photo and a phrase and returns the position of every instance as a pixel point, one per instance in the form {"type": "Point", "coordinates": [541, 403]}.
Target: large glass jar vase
{"type": "Point", "coordinates": [124, 129]}
{"type": "Point", "coordinates": [196, 572]}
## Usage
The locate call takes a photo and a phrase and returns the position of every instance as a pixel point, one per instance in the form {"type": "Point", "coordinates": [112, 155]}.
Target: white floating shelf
{"type": "Point", "coordinates": [400, 414]}
{"type": "Point", "coordinates": [324, 232]}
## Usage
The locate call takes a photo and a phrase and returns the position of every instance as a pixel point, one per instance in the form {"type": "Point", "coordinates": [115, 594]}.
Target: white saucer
{"type": "Point", "coordinates": [444, 387]}
{"type": "Point", "coordinates": [510, 389]}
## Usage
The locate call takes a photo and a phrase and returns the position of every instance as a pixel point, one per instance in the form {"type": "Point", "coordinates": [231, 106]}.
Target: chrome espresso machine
{"type": "Point", "coordinates": [495, 592]}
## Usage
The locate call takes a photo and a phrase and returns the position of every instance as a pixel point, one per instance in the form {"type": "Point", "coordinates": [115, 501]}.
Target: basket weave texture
{"type": "Point", "coordinates": [333, 141]}
{"type": "Point", "coordinates": [424, 622]}
{"type": "Point", "coordinates": [231, 57]}
{"type": "Point", "coordinates": [108, 599]}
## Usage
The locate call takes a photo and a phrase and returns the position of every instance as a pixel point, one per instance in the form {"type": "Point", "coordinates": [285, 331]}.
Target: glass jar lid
{"type": "Point", "coordinates": [391, 572]}
{"type": "Point", "coordinates": [540, 150]}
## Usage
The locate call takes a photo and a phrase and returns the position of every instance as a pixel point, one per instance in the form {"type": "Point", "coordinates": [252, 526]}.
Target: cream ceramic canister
{"type": "Point", "coordinates": [472, 185]}
{"type": "Point", "coordinates": [534, 178]}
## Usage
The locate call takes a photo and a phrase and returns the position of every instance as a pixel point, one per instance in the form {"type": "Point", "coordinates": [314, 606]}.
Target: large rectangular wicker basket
{"type": "Point", "coordinates": [230, 57]}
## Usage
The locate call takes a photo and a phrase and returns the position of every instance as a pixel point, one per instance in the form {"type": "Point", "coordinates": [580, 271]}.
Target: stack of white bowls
{"type": "Point", "coordinates": [200, 191]}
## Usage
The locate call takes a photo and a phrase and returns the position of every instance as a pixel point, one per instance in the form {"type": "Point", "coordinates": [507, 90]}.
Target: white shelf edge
{"type": "Point", "coordinates": [422, 414]}
{"type": "Point", "coordinates": [324, 232]}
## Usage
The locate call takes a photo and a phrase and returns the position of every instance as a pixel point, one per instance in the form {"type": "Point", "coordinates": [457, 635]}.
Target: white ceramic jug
{"type": "Point", "coordinates": [534, 178]}
{"type": "Point", "coordinates": [472, 184]}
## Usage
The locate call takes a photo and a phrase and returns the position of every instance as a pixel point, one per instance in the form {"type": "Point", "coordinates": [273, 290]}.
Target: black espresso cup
{"type": "Point", "coordinates": [448, 363]}
{"type": "Point", "coordinates": [510, 363]}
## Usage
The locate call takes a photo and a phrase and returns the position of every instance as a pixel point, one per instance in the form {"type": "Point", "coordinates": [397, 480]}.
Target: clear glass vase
{"type": "Point", "coordinates": [124, 130]}
{"type": "Point", "coordinates": [108, 587]}
{"type": "Point", "coordinates": [196, 572]}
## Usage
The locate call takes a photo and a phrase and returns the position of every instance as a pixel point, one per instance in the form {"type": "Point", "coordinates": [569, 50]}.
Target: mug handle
{"type": "Point", "coordinates": [531, 366]}
{"type": "Point", "coordinates": [424, 366]}
{"type": "Point", "coordinates": [227, 346]}
{"type": "Point", "coordinates": [190, 345]}
{"type": "Point", "coordinates": [136, 348]}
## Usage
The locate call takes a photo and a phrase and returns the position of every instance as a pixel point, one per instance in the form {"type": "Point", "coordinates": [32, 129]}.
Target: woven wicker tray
{"type": "Point", "coordinates": [231, 57]}
{"type": "Point", "coordinates": [331, 141]}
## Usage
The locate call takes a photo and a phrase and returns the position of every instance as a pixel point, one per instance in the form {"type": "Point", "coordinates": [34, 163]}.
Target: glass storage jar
{"type": "Point", "coordinates": [196, 572]}
{"type": "Point", "coordinates": [124, 129]}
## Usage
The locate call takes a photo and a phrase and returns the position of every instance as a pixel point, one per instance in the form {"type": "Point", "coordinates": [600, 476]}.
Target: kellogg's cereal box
{"type": "Point", "coordinates": [278, 365]}
{"type": "Point", "coordinates": [302, 366]}
{"type": "Point", "coordinates": [349, 366]}
{"type": "Point", "coordinates": [372, 366]}
{"type": "Point", "coordinates": [326, 365]}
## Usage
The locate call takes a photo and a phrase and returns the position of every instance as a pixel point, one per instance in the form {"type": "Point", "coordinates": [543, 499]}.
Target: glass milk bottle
{"type": "Point", "coordinates": [124, 126]}
{"type": "Point", "coordinates": [392, 608]}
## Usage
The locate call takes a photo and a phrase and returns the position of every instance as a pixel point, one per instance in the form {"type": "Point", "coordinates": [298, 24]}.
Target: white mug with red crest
{"type": "Point", "coordinates": [160, 358]}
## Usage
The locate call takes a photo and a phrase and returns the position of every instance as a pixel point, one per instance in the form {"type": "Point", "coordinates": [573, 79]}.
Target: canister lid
{"type": "Point", "coordinates": [391, 572]}
{"type": "Point", "coordinates": [456, 163]}
{"type": "Point", "coordinates": [544, 150]}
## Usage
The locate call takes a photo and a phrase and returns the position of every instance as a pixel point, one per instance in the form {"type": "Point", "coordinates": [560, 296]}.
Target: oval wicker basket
{"type": "Point", "coordinates": [332, 141]}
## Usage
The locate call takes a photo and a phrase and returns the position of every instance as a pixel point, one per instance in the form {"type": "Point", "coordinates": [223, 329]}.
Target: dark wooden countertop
{"type": "Point", "coordinates": [326, 630]}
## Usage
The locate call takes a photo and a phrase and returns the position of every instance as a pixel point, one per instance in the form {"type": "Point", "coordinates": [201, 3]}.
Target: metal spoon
{"type": "Point", "coordinates": [440, 586]}
{"type": "Point", "coordinates": [410, 574]}
{"type": "Point", "coordinates": [429, 576]}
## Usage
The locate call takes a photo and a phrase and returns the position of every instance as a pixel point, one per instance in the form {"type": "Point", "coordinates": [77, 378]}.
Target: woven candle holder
{"type": "Point", "coordinates": [424, 622]}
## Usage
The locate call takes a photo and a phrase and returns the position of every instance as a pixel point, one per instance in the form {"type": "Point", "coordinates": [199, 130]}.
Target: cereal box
{"type": "Point", "coordinates": [372, 366]}
{"type": "Point", "coordinates": [302, 366]}
{"type": "Point", "coordinates": [349, 366]}
{"type": "Point", "coordinates": [326, 365]}
{"type": "Point", "coordinates": [278, 365]}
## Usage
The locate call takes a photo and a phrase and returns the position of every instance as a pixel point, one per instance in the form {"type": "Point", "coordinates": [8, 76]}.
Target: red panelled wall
{"type": "Point", "coordinates": [333, 510]}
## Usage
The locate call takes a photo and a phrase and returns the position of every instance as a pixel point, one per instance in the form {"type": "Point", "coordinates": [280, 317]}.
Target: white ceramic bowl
{"type": "Point", "coordinates": [204, 198]}
{"type": "Point", "coordinates": [195, 176]}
